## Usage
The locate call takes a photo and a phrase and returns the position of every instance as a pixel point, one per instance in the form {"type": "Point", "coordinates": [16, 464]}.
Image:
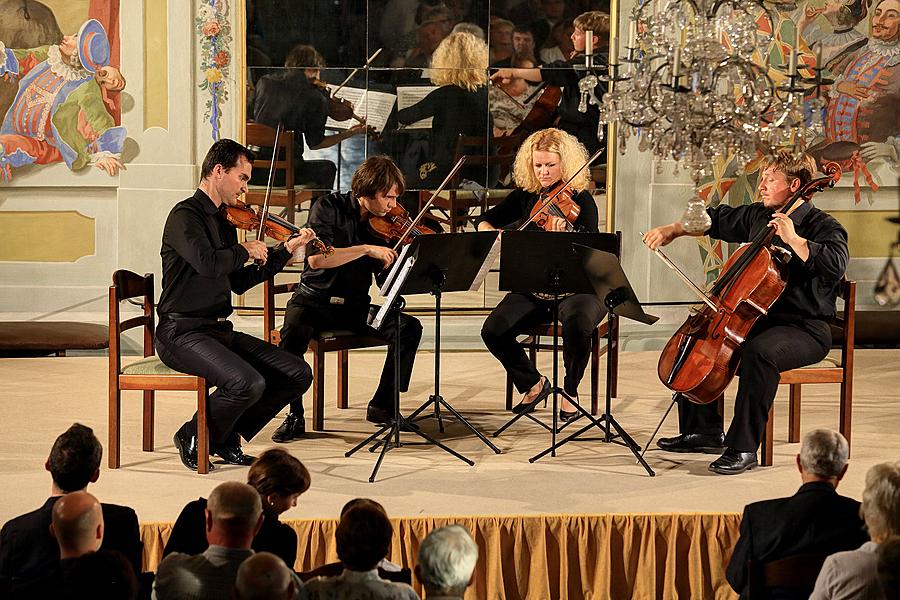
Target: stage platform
{"type": "Point", "coordinates": [589, 522]}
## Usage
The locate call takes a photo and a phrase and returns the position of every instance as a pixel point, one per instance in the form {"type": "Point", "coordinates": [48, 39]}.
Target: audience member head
{"type": "Point", "coordinates": [460, 60]}
{"type": "Point", "coordinates": [101, 575]}
{"type": "Point", "coordinates": [279, 478]}
{"type": "Point", "coordinates": [500, 38]}
{"type": "Point", "coordinates": [553, 9]}
{"type": "Point", "coordinates": [233, 515]}
{"type": "Point", "coordinates": [823, 456]}
{"type": "Point", "coordinates": [77, 524]}
{"type": "Point", "coordinates": [363, 535]}
{"type": "Point", "coordinates": [435, 25]}
{"type": "Point", "coordinates": [881, 501]}
{"type": "Point", "coordinates": [74, 460]}
{"type": "Point", "coordinates": [889, 567]}
{"type": "Point", "coordinates": [446, 561]}
{"type": "Point", "coordinates": [523, 41]}
{"type": "Point", "coordinates": [263, 576]}
{"type": "Point", "coordinates": [469, 28]}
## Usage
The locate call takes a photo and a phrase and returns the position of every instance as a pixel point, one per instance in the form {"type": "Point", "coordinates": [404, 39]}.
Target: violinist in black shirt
{"type": "Point", "coordinates": [203, 263]}
{"type": "Point", "coordinates": [546, 159]}
{"type": "Point", "coordinates": [794, 333]}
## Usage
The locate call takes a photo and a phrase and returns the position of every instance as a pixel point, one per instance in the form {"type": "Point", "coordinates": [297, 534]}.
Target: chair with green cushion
{"type": "Point", "coordinates": [147, 374]}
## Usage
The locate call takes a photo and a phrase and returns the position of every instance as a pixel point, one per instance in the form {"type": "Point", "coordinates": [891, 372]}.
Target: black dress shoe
{"type": "Point", "coordinates": [733, 462]}
{"type": "Point", "coordinates": [233, 455]}
{"type": "Point", "coordinates": [693, 442]}
{"type": "Point", "coordinates": [294, 427]}
{"type": "Point", "coordinates": [186, 444]}
{"type": "Point", "coordinates": [379, 416]}
{"type": "Point", "coordinates": [526, 407]}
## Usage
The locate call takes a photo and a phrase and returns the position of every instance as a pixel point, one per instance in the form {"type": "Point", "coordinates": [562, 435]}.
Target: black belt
{"type": "Point", "coordinates": [323, 298]}
{"type": "Point", "coordinates": [176, 316]}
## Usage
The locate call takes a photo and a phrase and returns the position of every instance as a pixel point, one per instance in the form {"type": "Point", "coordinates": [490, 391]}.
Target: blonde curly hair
{"type": "Point", "coordinates": [461, 59]}
{"type": "Point", "coordinates": [572, 155]}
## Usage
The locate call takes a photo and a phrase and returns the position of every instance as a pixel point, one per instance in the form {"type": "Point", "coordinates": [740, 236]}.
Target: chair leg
{"type": "Point", "coordinates": [318, 420]}
{"type": "Point", "coordinates": [794, 414]}
{"type": "Point", "coordinates": [148, 420]}
{"type": "Point", "coordinates": [114, 426]}
{"type": "Point", "coordinates": [846, 408]}
{"type": "Point", "coordinates": [343, 369]}
{"type": "Point", "coordinates": [767, 447]}
{"type": "Point", "coordinates": [202, 429]}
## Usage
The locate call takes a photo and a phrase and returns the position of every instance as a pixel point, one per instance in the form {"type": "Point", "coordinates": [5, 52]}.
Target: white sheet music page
{"type": "Point", "coordinates": [374, 107]}
{"type": "Point", "coordinates": [492, 257]}
{"type": "Point", "coordinates": [409, 95]}
{"type": "Point", "coordinates": [391, 288]}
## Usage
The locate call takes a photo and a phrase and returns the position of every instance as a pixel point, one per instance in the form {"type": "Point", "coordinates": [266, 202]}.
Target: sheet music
{"type": "Point", "coordinates": [400, 277]}
{"type": "Point", "coordinates": [389, 280]}
{"type": "Point", "coordinates": [408, 96]}
{"type": "Point", "coordinates": [374, 107]}
{"type": "Point", "coordinates": [492, 257]}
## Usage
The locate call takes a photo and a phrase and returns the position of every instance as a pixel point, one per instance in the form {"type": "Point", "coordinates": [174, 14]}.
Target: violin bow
{"type": "Point", "coordinates": [450, 175]}
{"type": "Point", "coordinates": [560, 190]}
{"type": "Point", "coordinates": [354, 71]}
{"type": "Point", "coordinates": [264, 213]}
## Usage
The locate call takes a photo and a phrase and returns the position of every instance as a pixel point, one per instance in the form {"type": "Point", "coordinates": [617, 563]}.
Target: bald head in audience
{"type": "Point", "coordinates": [263, 576]}
{"type": "Point", "coordinates": [77, 524]}
{"type": "Point", "coordinates": [233, 515]}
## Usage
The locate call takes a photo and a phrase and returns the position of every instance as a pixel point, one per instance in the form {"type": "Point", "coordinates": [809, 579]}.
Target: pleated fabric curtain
{"type": "Point", "coordinates": [609, 556]}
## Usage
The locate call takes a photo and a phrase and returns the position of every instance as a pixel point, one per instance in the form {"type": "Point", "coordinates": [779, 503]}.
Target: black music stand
{"type": "Point", "coordinates": [424, 267]}
{"type": "Point", "coordinates": [447, 263]}
{"type": "Point", "coordinates": [610, 283]}
{"type": "Point", "coordinates": [543, 262]}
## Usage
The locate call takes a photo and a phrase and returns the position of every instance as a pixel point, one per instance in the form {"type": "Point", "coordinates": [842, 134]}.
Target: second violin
{"type": "Point", "coordinates": [245, 217]}
{"type": "Point", "coordinates": [395, 226]}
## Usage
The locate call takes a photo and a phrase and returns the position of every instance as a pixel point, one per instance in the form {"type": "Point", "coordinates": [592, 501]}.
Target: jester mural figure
{"type": "Point", "coordinates": [60, 111]}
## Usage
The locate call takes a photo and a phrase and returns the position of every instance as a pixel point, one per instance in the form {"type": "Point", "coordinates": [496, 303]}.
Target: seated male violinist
{"type": "Point", "coordinates": [794, 333]}
{"type": "Point", "coordinates": [334, 289]}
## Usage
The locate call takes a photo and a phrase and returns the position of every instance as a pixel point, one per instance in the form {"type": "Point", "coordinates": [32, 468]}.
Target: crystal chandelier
{"type": "Point", "coordinates": [690, 90]}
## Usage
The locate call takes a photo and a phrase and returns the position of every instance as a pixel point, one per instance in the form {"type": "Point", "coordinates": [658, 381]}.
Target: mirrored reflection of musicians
{"type": "Point", "coordinates": [794, 333]}
{"type": "Point", "coordinates": [546, 158]}
{"type": "Point", "coordinates": [334, 290]}
{"type": "Point", "coordinates": [292, 97]}
{"type": "Point", "coordinates": [459, 106]}
{"type": "Point", "coordinates": [203, 263]}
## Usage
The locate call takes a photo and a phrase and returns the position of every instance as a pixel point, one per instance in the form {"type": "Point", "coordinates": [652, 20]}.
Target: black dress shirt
{"type": "Point", "coordinates": [203, 263]}
{"type": "Point", "coordinates": [813, 285]}
{"type": "Point", "coordinates": [337, 222]}
{"type": "Point", "coordinates": [289, 98]}
{"type": "Point", "coordinates": [582, 125]}
{"type": "Point", "coordinates": [518, 204]}
{"type": "Point", "coordinates": [189, 534]}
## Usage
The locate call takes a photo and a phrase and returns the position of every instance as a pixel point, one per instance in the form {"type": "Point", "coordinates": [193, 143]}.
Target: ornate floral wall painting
{"type": "Point", "coordinates": [65, 107]}
{"type": "Point", "coordinates": [214, 31]}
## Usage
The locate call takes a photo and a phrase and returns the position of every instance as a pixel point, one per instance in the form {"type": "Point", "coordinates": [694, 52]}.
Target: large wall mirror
{"type": "Point", "coordinates": [416, 101]}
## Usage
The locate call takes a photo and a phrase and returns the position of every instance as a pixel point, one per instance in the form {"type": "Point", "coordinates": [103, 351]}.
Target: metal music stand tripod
{"type": "Point", "coordinates": [450, 262]}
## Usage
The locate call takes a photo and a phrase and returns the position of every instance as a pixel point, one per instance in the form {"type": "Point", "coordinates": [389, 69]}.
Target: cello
{"type": "Point", "coordinates": [702, 357]}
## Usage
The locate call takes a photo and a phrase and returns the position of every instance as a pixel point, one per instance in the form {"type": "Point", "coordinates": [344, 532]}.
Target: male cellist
{"type": "Point", "coordinates": [794, 333]}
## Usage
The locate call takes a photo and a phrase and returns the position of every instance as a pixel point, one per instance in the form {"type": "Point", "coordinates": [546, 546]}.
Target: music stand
{"type": "Point", "coordinates": [611, 285]}
{"type": "Point", "coordinates": [447, 263]}
{"type": "Point", "coordinates": [540, 262]}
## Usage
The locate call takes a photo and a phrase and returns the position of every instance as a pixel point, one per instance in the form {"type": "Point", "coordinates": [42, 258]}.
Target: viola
{"type": "Point", "coordinates": [245, 217]}
{"type": "Point", "coordinates": [396, 226]}
{"type": "Point", "coordinates": [561, 204]}
{"type": "Point", "coordinates": [701, 359]}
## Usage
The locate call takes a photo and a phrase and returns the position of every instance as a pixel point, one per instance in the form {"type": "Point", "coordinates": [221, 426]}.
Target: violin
{"type": "Point", "coordinates": [561, 204]}
{"type": "Point", "coordinates": [339, 109]}
{"type": "Point", "coordinates": [397, 226]}
{"type": "Point", "coordinates": [701, 359]}
{"type": "Point", "coordinates": [243, 216]}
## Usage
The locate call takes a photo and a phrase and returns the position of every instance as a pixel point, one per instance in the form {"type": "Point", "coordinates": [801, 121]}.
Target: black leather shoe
{"type": "Point", "coordinates": [693, 442]}
{"type": "Point", "coordinates": [379, 416]}
{"type": "Point", "coordinates": [233, 455]}
{"type": "Point", "coordinates": [294, 427]}
{"type": "Point", "coordinates": [733, 462]}
{"type": "Point", "coordinates": [526, 407]}
{"type": "Point", "coordinates": [186, 444]}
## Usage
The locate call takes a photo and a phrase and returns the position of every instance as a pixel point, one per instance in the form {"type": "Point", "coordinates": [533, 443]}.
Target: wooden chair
{"type": "Point", "coordinates": [456, 203]}
{"type": "Point", "coordinates": [533, 344]}
{"type": "Point", "coordinates": [327, 341]}
{"type": "Point", "coordinates": [287, 196]}
{"type": "Point", "coordinates": [797, 573]}
{"type": "Point", "coordinates": [831, 369]}
{"type": "Point", "coordinates": [148, 374]}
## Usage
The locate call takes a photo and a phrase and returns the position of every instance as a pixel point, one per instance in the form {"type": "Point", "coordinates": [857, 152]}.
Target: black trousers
{"type": "Point", "coordinates": [254, 380]}
{"type": "Point", "coordinates": [773, 345]}
{"type": "Point", "coordinates": [306, 317]}
{"type": "Point", "coordinates": [579, 314]}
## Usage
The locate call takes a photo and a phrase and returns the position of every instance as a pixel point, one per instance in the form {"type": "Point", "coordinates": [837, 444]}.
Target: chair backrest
{"type": "Point", "coordinates": [797, 572]}
{"type": "Point", "coordinates": [127, 285]}
{"type": "Point", "coordinates": [479, 150]}
{"type": "Point", "coordinates": [264, 137]}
